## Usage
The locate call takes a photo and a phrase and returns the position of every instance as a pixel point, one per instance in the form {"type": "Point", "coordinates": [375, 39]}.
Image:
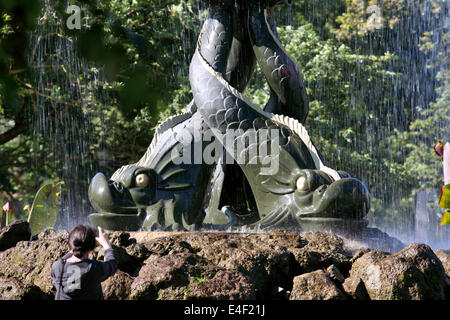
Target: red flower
{"type": "Point", "coordinates": [439, 149]}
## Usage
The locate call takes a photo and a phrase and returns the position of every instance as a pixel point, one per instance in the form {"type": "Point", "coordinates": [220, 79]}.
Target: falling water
{"type": "Point", "coordinates": [412, 83]}
{"type": "Point", "coordinates": [414, 90]}
{"type": "Point", "coordinates": [61, 115]}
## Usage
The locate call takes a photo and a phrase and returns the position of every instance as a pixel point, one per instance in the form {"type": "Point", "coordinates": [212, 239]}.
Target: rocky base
{"type": "Point", "coordinates": [274, 265]}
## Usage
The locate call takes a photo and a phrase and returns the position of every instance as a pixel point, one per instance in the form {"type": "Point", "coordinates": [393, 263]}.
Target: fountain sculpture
{"type": "Point", "coordinates": [266, 173]}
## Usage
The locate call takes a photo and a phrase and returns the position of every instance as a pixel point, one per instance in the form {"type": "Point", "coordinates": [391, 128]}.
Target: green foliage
{"type": "Point", "coordinates": [199, 280]}
{"type": "Point", "coordinates": [355, 67]}
{"type": "Point", "coordinates": [43, 212]}
{"type": "Point", "coordinates": [9, 217]}
{"type": "Point", "coordinates": [1, 210]}
{"type": "Point", "coordinates": [363, 17]}
{"type": "Point", "coordinates": [18, 17]}
{"type": "Point", "coordinates": [444, 201]}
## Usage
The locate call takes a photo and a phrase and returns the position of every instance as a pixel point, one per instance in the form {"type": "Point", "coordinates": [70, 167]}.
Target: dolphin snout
{"type": "Point", "coordinates": [104, 197]}
{"type": "Point", "coordinates": [349, 198]}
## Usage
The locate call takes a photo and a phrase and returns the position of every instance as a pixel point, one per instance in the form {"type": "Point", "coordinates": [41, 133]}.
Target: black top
{"type": "Point", "coordinates": [82, 280]}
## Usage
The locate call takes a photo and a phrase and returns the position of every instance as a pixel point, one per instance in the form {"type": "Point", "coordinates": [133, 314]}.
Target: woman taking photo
{"type": "Point", "coordinates": [76, 277]}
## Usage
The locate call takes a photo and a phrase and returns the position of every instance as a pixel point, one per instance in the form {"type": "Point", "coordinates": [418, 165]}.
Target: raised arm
{"type": "Point", "coordinates": [107, 268]}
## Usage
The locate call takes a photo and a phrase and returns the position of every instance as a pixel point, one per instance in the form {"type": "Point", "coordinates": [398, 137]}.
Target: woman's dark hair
{"type": "Point", "coordinates": [81, 240]}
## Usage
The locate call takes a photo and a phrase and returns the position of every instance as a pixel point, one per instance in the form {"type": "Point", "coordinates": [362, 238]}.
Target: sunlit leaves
{"type": "Point", "coordinates": [445, 219]}
{"type": "Point", "coordinates": [43, 212]}
{"type": "Point", "coordinates": [444, 202]}
{"type": "Point", "coordinates": [364, 16]}
{"type": "Point", "coordinates": [17, 18]}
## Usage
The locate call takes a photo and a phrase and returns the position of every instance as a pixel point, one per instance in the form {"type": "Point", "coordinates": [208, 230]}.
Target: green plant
{"type": "Point", "coordinates": [199, 280]}
{"type": "Point", "coordinates": [9, 216]}
{"type": "Point", "coordinates": [444, 200]}
{"type": "Point", "coordinates": [7, 213]}
{"type": "Point", "coordinates": [1, 205]}
{"type": "Point", "coordinates": [43, 212]}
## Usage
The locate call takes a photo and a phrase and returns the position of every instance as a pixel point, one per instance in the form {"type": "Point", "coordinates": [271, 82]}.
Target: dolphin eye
{"type": "Point", "coordinates": [142, 180]}
{"type": "Point", "coordinates": [302, 184]}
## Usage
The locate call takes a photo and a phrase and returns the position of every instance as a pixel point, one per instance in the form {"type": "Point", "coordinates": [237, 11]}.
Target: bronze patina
{"type": "Point", "coordinates": [167, 189]}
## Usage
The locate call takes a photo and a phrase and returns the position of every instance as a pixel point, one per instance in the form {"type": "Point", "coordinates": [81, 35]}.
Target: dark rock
{"type": "Point", "coordinates": [198, 265]}
{"type": "Point", "coordinates": [262, 257]}
{"type": "Point", "coordinates": [315, 285]}
{"type": "Point", "coordinates": [117, 287]}
{"type": "Point", "coordinates": [120, 238]}
{"type": "Point", "coordinates": [189, 276]}
{"type": "Point", "coordinates": [138, 252]}
{"type": "Point", "coordinates": [166, 277]}
{"type": "Point", "coordinates": [167, 245]}
{"type": "Point", "coordinates": [221, 285]}
{"type": "Point", "coordinates": [362, 252]}
{"type": "Point", "coordinates": [49, 234]}
{"type": "Point", "coordinates": [17, 231]}
{"type": "Point", "coordinates": [334, 273]}
{"type": "Point", "coordinates": [413, 273]}
{"type": "Point", "coordinates": [266, 261]}
{"type": "Point", "coordinates": [355, 288]}
{"type": "Point", "coordinates": [374, 238]}
{"type": "Point", "coordinates": [321, 251]}
{"type": "Point", "coordinates": [444, 256]}
{"type": "Point", "coordinates": [125, 261]}
{"type": "Point", "coordinates": [130, 255]}
{"type": "Point", "coordinates": [283, 238]}
{"type": "Point", "coordinates": [31, 261]}
{"type": "Point", "coordinates": [13, 289]}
